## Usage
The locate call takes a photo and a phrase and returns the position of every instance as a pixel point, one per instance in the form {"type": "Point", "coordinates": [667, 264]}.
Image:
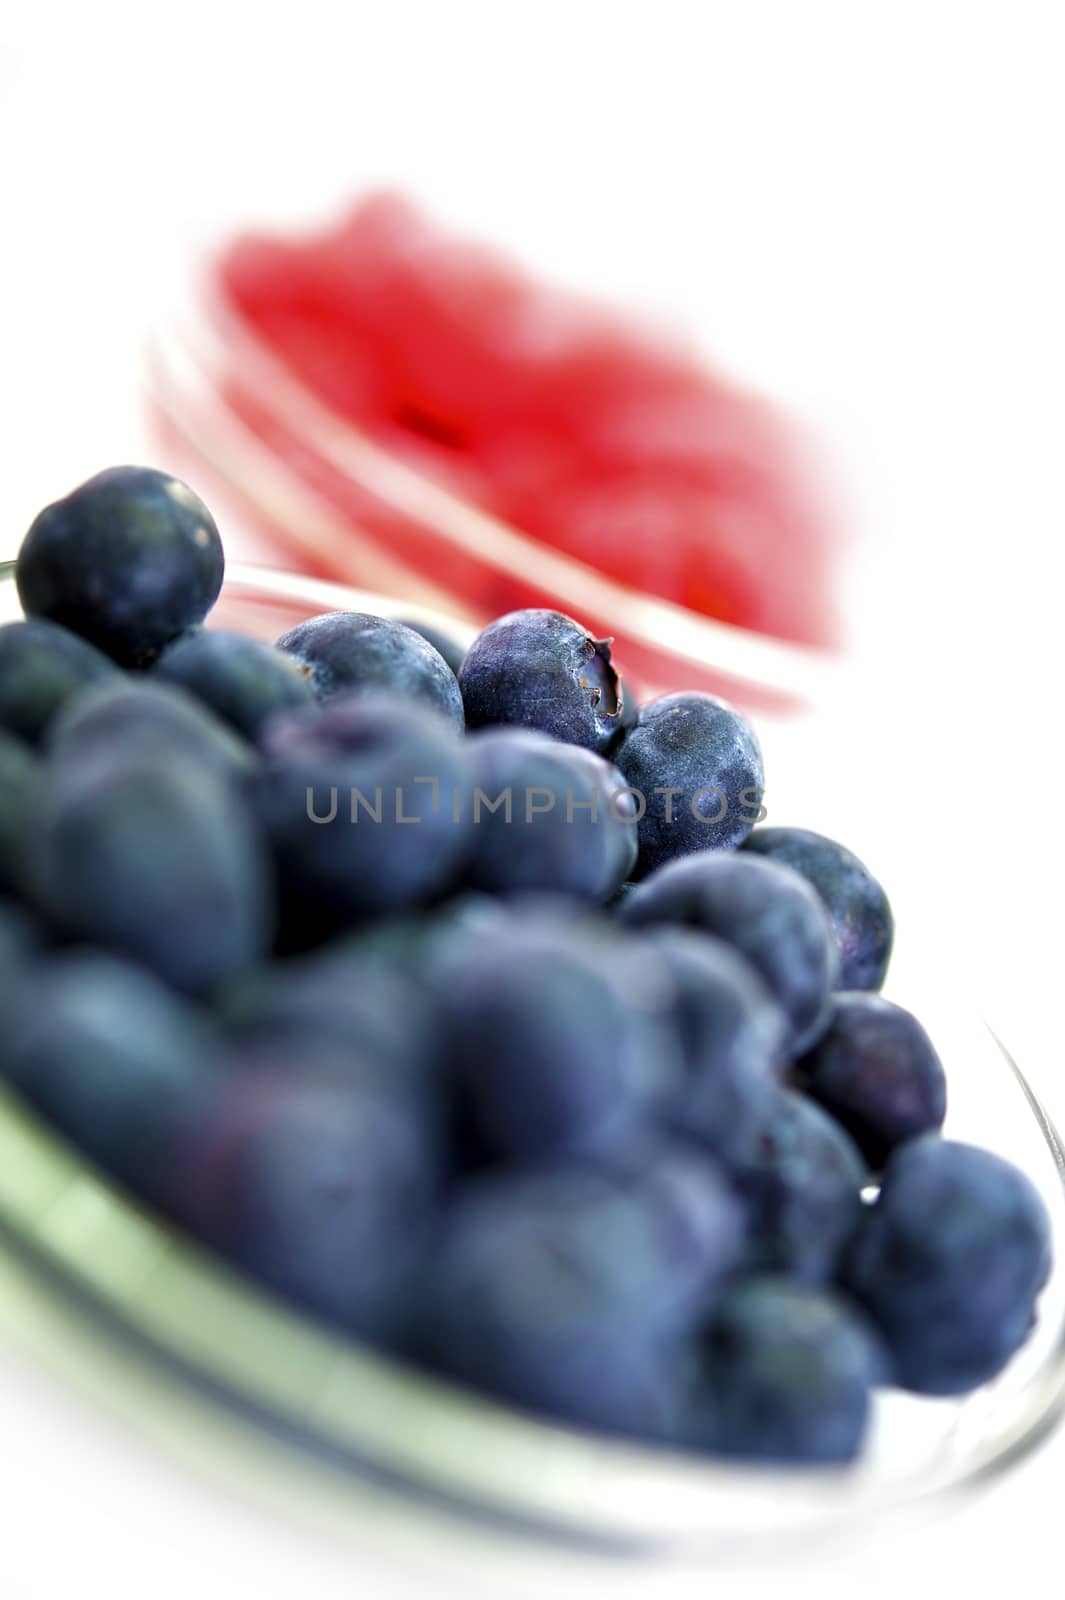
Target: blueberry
{"type": "Point", "coordinates": [345, 651]}
{"type": "Point", "coordinates": [540, 669]}
{"type": "Point", "coordinates": [732, 1038]}
{"type": "Point", "coordinates": [559, 1038]}
{"type": "Point", "coordinates": [622, 893]}
{"type": "Point", "coordinates": [554, 1292]}
{"type": "Point", "coordinates": [801, 1177]}
{"type": "Point", "coordinates": [162, 862]}
{"type": "Point", "coordinates": [695, 1224]}
{"type": "Point", "coordinates": [771, 916]}
{"type": "Point", "coordinates": [19, 935]}
{"type": "Point", "coordinates": [413, 943]}
{"type": "Point", "coordinates": [857, 905]}
{"type": "Point", "coordinates": [128, 561]}
{"type": "Point", "coordinates": [697, 765]}
{"type": "Point", "coordinates": [20, 786]}
{"type": "Point", "coordinates": [149, 721]}
{"type": "Point", "coordinates": [547, 816]}
{"type": "Point", "coordinates": [333, 997]}
{"type": "Point", "coordinates": [42, 666]}
{"type": "Point", "coordinates": [444, 645]}
{"type": "Point", "coordinates": [876, 1070]}
{"type": "Point", "coordinates": [949, 1263]}
{"type": "Point", "coordinates": [242, 680]}
{"type": "Point", "coordinates": [786, 1375]}
{"type": "Point", "coordinates": [20, 941]}
{"type": "Point", "coordinates": [630, 706]}
{"type": "Point", "coordinates": [321, 1186]}
{"type": "Point", "coordinates": [115, 1060]}
{"type": "Point", "coordinates": [360, 801]}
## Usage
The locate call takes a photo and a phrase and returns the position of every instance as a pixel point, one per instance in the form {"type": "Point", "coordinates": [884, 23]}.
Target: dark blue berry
{"type": "Point", "coordinates": [161, 861]}
{"type": "Point", "coordinates": [128, 561]}
{"type": "Point", "coordinates": [345, 651]}
{"type": "Point", "coordinates": [696, 1224]}
{"type": "Point", "coordinates": [949, 1263]}
{"type": "Point", "coordinates": [149, 721]}
{"type": "Point", "coordinates": [876, 1070]}
{"type": "Point", "coordinates": [622, 893]}
{"type": "Point", "coordinates": [561, 1292]}
{"type": "Point", "coordinates": [334, 998]}
{"type": "Point", "coordinates": [559, 1038]}
{"type": "Point", "coordinates": [20, 940]}
{"type": "Point", "coordinates": [20, 788]}
{"type": "Point", "coordinates": [547, 816]}
{"type": "Point", "coordinates": [630, 705]}
{"type": "Point", "coordinates": [855, 901]}
{"type": "Point", "coordinates": [540, 669]}
{"type": "Point", "coordinates": [42, 666]}
{"type": "Point", "coordinates": [802, 1178]}
{"type": "Point", "coordinates": [360, 800]}
{"type": "Point", "coordinates": [114, 1059]}
{"type": "Point", "coordinates": [17, 931]}
{"type": "Point", "coordinates": [412, 944]}
{"type": "Point", "coordinates": [698, 768]}
{"type": "Point", "coordinates": [243, 681]}
{"type": "Point", "coordinates": [444, 645]}
{"type": "Point", "coordinates": [732, 1037]}
{"type": "Point", "coordinates": [786, 1375]}
{"type": "Point", "coordinates": [320, 1183]}
{"type": "Point", "coordinates": [771, 916]}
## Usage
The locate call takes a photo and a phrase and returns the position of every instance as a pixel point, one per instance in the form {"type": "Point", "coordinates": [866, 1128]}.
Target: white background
{"type": "Point", "coordinates": [856, 207]}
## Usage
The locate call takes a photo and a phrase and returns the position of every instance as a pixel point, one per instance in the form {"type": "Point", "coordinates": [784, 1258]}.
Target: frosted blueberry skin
{"type": "Point", "coordinates": [630, 706]}
{"type": "Point", "coordinates": [241, 680]}
{"type": "Point", "coordinates": [786, 1375]}
{"type": "Point", "coordinates": [160, 861]}
{"type": "Point", "coordinates": [570, 848]}
{"type": "Point", "coordinates": [333, 1001]}
{"type": "Point", "coordinates": [877, 1072]}
{"type": "Point", "coordinates": [42, 666]}
{"type": "Point", "coordinates": [419, 944]}
{"type": "Point", "coordinates": [20, 941]}
{"type": "Point", "coordinates": [365, 743]}
{"type": "Point", "coordinates": [732, 1036]}
{"type": "Point", "coordinates": [694, 1219]}
{"type": "Point", "coordinates": [136, 716]}
{"type": "Point", "coordinates": [556, 1043]}
{"type": "Point", "coordinates": [691, 743]}
{"type": "Point", "coordinates": [540, 669]}
{"type": "Point", "coordinates": [801, 1177]}
{"type": "Point", "coordinates": [855, 901]}
{"type": "Point", "coordinates": [766, 912]}
{"type": "Point", "coordinates": [624, 892]}
{"type": "Point", "coordinates": [114, 1059]}
{"type": "Point", "coordinates": [344, 651]}
{"type": "Point", "coordinates": [320, 1183]}
{"type": "Point", "coordinates": [949, 1263]}
{"type": "Point", "coordinates": [20, 789]}
{"type": "Point", "coordinates": [565, 1292]}
{"type": "Point", "coordinates": [128, 561]}
{"type": "Point", "coordinates": [444, 645]}
{"type": "Point", "coordinates": [18, 932]}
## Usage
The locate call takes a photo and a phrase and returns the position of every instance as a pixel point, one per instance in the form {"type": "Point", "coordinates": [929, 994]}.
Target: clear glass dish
{"type": "Point", "coordinates": [504, 1478]}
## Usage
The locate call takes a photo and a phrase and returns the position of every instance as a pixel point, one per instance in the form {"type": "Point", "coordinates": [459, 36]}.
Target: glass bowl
{"type": "Point", "coordinates": [506, 1479]}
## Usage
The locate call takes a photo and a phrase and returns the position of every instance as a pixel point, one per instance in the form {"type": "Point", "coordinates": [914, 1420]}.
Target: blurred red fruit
{"type": "Point", "coordinates": [588, 433]}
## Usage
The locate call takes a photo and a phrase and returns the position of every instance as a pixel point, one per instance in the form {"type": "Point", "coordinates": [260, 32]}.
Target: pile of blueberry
{"type": "Point", "coordinates": [469, 1010]}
